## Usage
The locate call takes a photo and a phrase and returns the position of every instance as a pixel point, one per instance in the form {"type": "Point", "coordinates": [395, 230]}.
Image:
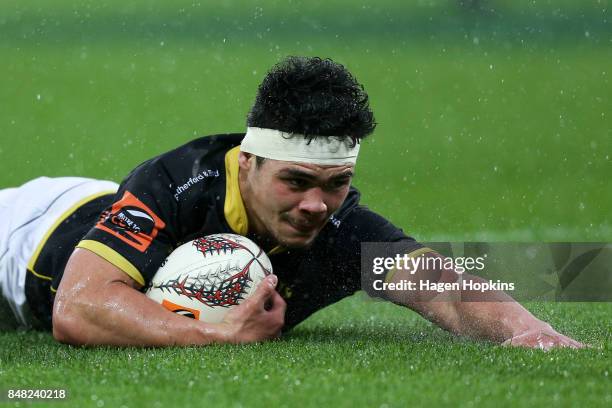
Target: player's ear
{"type": "Point", "coordinates": [246, 161]}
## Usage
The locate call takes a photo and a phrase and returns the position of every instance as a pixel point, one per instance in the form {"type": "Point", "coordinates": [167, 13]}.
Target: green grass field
{"type": "Point", "coordinates": [354, 354]}
{"type": "Point", "coordinates": [493, 125]}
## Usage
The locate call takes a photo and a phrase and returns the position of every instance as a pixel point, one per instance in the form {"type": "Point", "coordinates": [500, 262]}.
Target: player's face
{"type": "Point", "coordinates": [291, 202]}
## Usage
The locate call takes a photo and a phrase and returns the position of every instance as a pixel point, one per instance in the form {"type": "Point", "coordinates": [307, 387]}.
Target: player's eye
{"type": "Point", "coordinates": [338, 183]}
{"type": "Point", "coordinates": [297, 182]}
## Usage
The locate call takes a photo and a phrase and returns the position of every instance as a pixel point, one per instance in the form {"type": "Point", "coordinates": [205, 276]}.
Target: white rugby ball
{"type": "Point", "coordinates": [204, 278]}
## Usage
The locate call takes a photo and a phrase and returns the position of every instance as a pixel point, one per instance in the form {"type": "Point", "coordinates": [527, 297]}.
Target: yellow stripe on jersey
{"type": "Point", "coordinates": [413, 254]}
{"type": "Point", "coordinates": [56, 224]}
{"type": "Point", "coordinates": [113, 257]}
{"type": "Point", "coordinates": [233, 208]}
{"type": "Point", "coordinates": [277, 250]}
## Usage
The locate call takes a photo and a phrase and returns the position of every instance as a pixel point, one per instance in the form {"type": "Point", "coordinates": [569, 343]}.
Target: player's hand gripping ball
{"type": "Point", "coordinates": [204, 278]}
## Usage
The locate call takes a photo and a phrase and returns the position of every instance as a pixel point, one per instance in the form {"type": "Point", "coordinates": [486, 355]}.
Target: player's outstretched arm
{"type": "Point", "coordinates": [98, 304]}
{"type": "Point", "coordinates": [493, 315]}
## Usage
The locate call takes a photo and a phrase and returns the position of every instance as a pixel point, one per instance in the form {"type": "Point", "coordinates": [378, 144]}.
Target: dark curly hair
{"type": "Point", "coordinates": [313, 97]}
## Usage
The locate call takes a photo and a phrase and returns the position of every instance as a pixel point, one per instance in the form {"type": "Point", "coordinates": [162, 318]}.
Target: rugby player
{"type": "Point", "coordinates": [76, 253]}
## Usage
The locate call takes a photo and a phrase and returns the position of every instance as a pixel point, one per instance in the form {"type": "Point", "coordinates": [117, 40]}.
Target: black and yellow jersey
{"type": "Point", "coordinates": [193, 191]}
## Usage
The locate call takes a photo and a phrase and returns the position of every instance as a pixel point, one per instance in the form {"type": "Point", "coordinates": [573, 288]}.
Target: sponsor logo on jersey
{"type": "Point", "coordinates": [334, 221]}
{"type": "Point", "coordinates": [130, 220]}
{"type": "Point", "coordinates": [204, 174]}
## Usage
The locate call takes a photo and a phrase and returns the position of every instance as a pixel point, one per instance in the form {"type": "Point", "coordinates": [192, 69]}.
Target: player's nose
{"type": "Point", "coordinates": [313, 201]}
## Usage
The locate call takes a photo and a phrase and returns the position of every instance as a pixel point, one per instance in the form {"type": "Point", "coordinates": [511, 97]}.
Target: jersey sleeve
{"type": "Point", "coordinates": [137, 232]}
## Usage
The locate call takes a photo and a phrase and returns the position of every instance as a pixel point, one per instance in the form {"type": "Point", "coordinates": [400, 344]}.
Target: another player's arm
{"type": "Point", "coordinates": [492, 315]}
{"type": "Point", "coordinates": [99, 304]}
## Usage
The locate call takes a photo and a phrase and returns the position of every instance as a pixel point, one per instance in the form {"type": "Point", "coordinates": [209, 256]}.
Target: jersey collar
{"type": "Point", "coordinates": [233, 208]}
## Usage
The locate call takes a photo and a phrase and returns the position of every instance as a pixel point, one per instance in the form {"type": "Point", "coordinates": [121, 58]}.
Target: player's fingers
{"type": "Point", "coordinates": [265, 289]}
{"type": "Point", "coordinates": [577, 344]}
{"type": "Point", "coordinates": [278, 309]}
{"type": "Point", "coordinates": [569, 342]}
{"type": "Point", "coordinates": [278, 304]}
{"type": "Point", "coordinates": [276, 313]}
{"type": "Point", "coordinates": [275, 304]}
{"type": "Point", "coordinates": [573, 343]}
{"type": "Point", "coordinates": [563, 342]}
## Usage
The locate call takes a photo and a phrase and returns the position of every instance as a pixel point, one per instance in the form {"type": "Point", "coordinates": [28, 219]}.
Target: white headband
{"type": "Point", "coordinates": [276, 145]}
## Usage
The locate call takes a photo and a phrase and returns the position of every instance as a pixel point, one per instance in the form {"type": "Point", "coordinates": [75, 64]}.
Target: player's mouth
{"type": "Point", "coordinates": [304, 227]}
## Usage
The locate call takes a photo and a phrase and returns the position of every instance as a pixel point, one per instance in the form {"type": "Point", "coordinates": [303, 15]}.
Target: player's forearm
{"type": "Point", "coordinates": [118, 315]}
{"type": "Point", "coordinates": [97, 303]}
{"type": "Point", "coordinates": [492, 315]}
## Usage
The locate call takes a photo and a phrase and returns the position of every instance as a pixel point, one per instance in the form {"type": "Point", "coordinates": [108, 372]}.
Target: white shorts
{"type": "Point", "coordinates": [26, 214]}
